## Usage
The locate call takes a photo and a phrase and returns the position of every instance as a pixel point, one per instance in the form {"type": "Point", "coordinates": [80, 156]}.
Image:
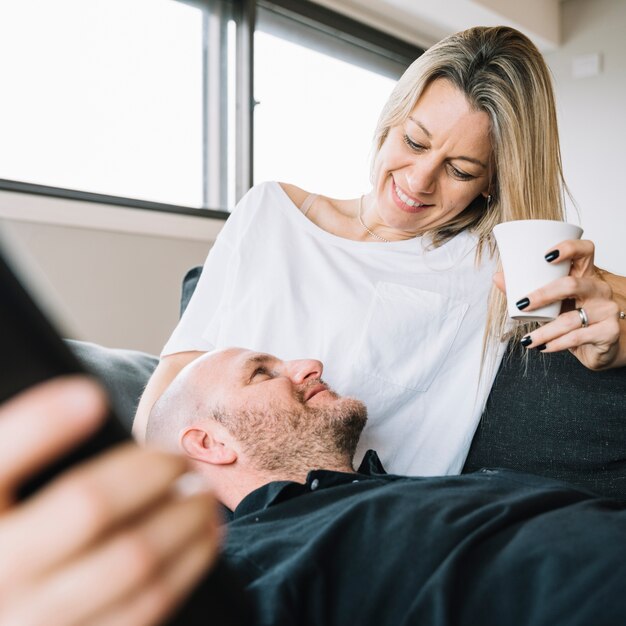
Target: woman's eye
{"type": "Point", "coordinates": [416, 147]}
{"type": "Point", "coordinates": [459, 174]}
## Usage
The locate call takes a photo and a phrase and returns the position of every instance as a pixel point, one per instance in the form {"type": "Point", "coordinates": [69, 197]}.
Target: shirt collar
{"type": "Point", "coordinates": [279, 491]}
{"type": "Point", "coordinates": [371, 465]}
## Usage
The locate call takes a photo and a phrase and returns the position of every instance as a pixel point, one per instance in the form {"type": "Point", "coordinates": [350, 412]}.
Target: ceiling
{"type": "Point", "coordinates": [423, 22]}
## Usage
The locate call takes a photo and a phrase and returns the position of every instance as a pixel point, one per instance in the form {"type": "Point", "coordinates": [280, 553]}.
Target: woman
{"type": "Point", "coordinates": [392, 290]}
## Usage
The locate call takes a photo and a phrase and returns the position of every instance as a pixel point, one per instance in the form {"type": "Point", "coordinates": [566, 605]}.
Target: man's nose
{"type": "Point", "coordinates": [303, 369]}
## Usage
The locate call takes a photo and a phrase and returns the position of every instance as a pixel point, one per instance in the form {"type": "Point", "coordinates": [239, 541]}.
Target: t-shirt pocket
{"type": "Point", "coordinates": [407, 335]}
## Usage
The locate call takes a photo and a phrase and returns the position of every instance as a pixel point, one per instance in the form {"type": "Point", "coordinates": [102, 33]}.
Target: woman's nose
{"type": "Point", "coordinates": [421, 176]}
{"type": "Point", "coordinates": [303, 369]}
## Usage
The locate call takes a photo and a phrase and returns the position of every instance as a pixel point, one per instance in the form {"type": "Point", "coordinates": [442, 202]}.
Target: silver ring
{"type": "Point", "coordinates": [621, 315]}
{"type": "Point", "coordinates": [584, 320]}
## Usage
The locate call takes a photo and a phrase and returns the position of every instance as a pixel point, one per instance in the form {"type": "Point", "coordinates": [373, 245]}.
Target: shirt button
{"type": "Point", "coordinates": [315, 484]}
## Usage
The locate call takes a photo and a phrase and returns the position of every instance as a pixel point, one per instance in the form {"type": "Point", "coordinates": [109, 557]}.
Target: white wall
{"type": "Point", "coordinates": [592, 114]}
{"type": "Point", "coordinates": [112, 274]}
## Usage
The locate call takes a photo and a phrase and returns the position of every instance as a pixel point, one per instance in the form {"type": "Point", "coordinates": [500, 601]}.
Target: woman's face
{"type": "Point", "coordinates": [433, 165]}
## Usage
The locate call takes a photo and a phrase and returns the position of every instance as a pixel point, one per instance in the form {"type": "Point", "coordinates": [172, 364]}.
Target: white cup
{"type": "Point", "coordinates": [523, 245]}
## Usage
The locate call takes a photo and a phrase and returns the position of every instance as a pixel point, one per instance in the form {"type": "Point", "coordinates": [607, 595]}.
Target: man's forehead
{"type": "Point", "coordinates": [216, 360]}
{"type": "Point", "coordinates": [232, 361]}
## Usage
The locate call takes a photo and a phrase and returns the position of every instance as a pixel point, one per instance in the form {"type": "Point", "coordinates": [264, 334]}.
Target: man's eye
{"type": "Point", "coordinates": [260, 371]}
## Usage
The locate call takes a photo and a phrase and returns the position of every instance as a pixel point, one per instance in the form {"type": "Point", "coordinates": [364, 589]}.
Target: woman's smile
{"type": "Point", "coordinates": [405, 202]}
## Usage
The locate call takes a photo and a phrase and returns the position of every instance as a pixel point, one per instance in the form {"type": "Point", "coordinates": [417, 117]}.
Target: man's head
{"type": "Point", "coordinates": [239, 412]}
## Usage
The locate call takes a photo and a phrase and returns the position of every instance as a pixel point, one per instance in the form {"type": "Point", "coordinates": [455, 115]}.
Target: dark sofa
{"type": "Point", "coordinates": [547, 415]}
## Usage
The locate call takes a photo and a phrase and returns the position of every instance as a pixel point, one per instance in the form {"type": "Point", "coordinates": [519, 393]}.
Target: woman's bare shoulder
{"type": "Point", "coordinates": [295, 193]}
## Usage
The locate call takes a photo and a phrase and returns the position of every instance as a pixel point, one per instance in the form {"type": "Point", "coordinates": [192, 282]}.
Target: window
{"type": "Point", "coordinates": [315, 117]}
{"type": "Point", "coordinates": [320, 82]}
{"type": "Point", "coordinates": [151, 100]}
{"type": "Point", "coordinates": [103, 96]}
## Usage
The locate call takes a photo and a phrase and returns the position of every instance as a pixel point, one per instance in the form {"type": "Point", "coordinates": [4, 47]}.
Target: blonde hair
{"type": "Point", "coordinates": [501, 72]}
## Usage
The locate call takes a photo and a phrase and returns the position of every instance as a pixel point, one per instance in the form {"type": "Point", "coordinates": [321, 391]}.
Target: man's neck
{"type": "Point", "coordinates": [232, 489]}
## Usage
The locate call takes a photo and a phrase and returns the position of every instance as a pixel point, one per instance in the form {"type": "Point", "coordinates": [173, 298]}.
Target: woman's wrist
{"type": "Point", "coordinates": [618, 287]}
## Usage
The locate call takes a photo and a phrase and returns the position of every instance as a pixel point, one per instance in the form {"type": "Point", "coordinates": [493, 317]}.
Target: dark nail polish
{"type": "Point", "coordinates": [522, 304]}
{"type": "Point", "coordinates": [526, 341]}
{"type": "Point", "coordinates": [552, 255]}
{"type": "Point", "coordinates": [541, 348]}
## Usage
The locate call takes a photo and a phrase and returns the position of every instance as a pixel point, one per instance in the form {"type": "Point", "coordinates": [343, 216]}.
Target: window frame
{"type": "Point", "coordinates": [307, 15]}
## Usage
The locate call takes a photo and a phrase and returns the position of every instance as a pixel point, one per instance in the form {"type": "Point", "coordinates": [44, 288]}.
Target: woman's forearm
{"type": "Point", "coordinates": [166, 371]}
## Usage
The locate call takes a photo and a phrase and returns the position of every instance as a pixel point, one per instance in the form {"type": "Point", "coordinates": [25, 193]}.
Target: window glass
{"type": "Point", "coordinates": [315, 117]}
{"type": "Point", "coordinates": [103, 96]}
{"type": "Point", "coordinates": [138, 98]}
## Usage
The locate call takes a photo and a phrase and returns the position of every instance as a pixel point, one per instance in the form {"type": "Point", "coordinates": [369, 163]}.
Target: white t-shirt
{"type": "Point", "coordinates": [395, 325]}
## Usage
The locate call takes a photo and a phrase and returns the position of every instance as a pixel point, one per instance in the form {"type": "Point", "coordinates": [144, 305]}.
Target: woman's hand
{"type": "Point", "coordinates": [109, 542]}
{"type": "Point", "coordinates": [596, 343]}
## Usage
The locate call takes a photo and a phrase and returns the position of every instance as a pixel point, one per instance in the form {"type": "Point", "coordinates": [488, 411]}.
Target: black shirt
{"type": "Point", "coordinates": [493, 547]}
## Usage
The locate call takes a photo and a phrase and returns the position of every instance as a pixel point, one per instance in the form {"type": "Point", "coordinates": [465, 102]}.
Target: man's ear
{"type": "Point", "coordinates": [208, 445]}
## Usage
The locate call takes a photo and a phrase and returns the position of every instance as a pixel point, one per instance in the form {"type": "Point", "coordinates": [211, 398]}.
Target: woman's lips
{"type": "Point", "coordinates": [398, 194]}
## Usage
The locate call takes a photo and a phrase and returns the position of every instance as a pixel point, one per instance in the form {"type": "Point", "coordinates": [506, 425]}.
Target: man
{"type": "Point", "coordinates": [318, 543]}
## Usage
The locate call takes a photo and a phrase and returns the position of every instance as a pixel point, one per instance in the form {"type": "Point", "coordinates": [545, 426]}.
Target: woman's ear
{"type": "Point", "coordinates": [209, 445]}
{"type": "Point", "coordinates": [488, 191]}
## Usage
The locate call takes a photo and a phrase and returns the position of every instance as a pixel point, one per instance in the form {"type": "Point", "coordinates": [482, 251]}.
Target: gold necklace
{"type": "Point", "coordinates": [373, 234]}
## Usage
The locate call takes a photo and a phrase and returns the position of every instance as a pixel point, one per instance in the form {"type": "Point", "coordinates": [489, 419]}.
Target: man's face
{"type": "Point", "coordinates": [279, 410]}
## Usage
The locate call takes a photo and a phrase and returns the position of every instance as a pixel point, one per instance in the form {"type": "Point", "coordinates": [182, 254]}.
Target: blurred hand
{"type": "Point", "coordinates": [598, 345]}
{"type": "Point", "coordinates": [109, 542]}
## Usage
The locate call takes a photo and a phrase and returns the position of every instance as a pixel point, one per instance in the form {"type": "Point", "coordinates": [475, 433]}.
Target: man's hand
{"type": "Point", "coordinates": [109, 542]}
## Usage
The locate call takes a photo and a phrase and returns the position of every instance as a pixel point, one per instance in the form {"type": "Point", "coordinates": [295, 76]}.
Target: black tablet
{"type": "Point", "coordinates": [32, 352]}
